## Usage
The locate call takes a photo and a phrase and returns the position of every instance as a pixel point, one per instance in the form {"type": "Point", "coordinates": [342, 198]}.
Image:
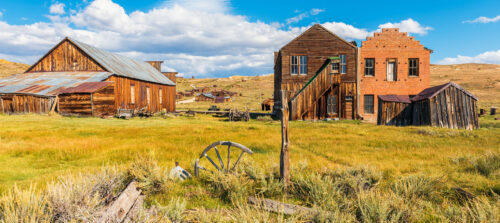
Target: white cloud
{"type": "Point", "coordinates": [304, 15]}
{"type": "Point", "coordinates": [1, 14]}
{"type": "Point", "coordinates": [483, 19]}
{"type": "Point", "coordinates": [194, 41]}
{"type": "Point", "coordinates": [57, 8]}
{"type": "Point", "coordinates": [491, 57]}
{"type": "Point", "coordinates": [409, 26]}
{"type": "Point", "coordinates": [346, 31]}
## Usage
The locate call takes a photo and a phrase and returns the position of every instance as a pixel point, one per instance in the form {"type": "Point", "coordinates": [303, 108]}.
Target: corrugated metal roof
{"type": "Point", "coordinates": [87, 87]}
{"type": "Point", "coordinates": [53, 82]}
{"type": "Point", "coordinates": [208, 95]}
{"type": "Point", "coordinates": [395, 98]}
{"type": "Point", "coordinates": [433, 91]}
{"type": "Point", "coordinates": [124, 66]}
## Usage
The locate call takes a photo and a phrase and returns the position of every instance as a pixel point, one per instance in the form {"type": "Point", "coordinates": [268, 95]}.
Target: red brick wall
{"type": "Point", "coordinates": [391, 43]}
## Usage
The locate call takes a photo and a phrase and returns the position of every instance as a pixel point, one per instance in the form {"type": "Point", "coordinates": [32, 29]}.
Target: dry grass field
{"type": "Point", "coordinates": [8, 68]}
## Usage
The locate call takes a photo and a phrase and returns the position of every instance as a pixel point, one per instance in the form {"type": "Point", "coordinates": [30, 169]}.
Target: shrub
{"type": "Point", "coordinates": [24, 206]}
{"type": "Point", "coordinates": [150, 177]}
{"type": "Point", "coordinates": [381, 207]}
{"type": "Point", "coordinates": [485, 165]}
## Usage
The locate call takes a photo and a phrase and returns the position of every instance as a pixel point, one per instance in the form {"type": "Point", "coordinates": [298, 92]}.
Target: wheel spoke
{"type": "Point", "coordinates": [220, 159]}
{"type": "Point", "coordinates": [213, 163]}
{"type": "Point", "coordinates": [238, 160]}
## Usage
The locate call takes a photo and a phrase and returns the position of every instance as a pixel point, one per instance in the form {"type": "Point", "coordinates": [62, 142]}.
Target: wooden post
{"type": "Point", "coordinates": [285, 156]}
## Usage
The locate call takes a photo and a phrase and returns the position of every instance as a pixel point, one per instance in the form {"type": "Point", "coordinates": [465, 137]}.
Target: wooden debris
{"type": "Point", "coordinates": [285, 155]}
{"type": "Point", "coordinates": [279, 207]}
{"type": "Point", "coordinates": [119, 209]}
{"type": "Point", "coordinates": [235, 115]}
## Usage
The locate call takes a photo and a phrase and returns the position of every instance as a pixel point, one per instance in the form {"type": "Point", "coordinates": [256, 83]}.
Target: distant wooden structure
{"type": "Point", "coordinates": [267, 105]}
{"type": "Point", "coordinates": [77, 71]}
{"type": "Point", "coordinates": [447, 106]}
{"type": "Point", "coordinates": [300, 68]}
{"type": "Point", "coordinates": [205, 97]}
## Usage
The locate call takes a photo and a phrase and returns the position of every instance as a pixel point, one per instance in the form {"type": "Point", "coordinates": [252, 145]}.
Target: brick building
{"type": "Point", "coordinates": [391, 63]}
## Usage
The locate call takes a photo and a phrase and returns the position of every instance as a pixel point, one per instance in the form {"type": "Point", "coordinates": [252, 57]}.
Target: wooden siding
{"type": "Point", "coordinates": [63, 58]}
{"type": "Point", "coordinates": [122, 95]}
{"type": "Point", "coordinates": [394, 113]}
{"type": "Point", "coordinates": [318, 44]}
{"type": "Point", "coordinates": [451, 108]}
{"type": "Point", "coordinates": [103, 102]}
{"type": "Point", "coordinates": [18, 104]}
{"type": "Point", "coordinates": [75, 104]}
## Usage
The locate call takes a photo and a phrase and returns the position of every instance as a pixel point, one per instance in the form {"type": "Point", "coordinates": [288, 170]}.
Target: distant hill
{"type": "Point", "coordinates": [8, 68]}
{"type": "Point", "coordinates": [483, 80]}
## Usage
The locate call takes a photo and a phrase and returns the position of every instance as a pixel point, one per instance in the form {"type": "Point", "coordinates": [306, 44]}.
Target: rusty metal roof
{"type": "Point", "coordinates": [87, 87]}
{"type": "Point", "coordinates": [48, 83]}
{"type": "Point", "coordinates": [433, 91]}
{"type": "Point", "coordinates": [395, 98]}
{"type": "Point", "coordinates": [124, 66]}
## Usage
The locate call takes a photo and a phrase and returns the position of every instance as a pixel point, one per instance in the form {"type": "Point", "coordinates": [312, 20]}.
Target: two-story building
{"type": "Point", "coordinates": [392, 63]}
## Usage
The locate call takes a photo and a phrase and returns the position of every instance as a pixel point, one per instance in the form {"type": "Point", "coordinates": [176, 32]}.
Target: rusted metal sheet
{"type": "Point", "coordinates": [124, 66]}
{"type": "Point", "coordinates": [53, 82]}
{"type": "Point", "coordinates": [433, 91]}
{"type": "Point", "coordinates": [395, 98]}
{"type": "Point", "coordinates": [87, 87]}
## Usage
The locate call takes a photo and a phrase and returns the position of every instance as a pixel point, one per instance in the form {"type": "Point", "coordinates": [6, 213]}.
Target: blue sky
{"type": "Point", "coordinates": [213, 38]}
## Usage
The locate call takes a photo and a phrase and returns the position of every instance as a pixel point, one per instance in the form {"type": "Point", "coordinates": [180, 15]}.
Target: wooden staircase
{"type": "Point", "coordinates": [307, 98]}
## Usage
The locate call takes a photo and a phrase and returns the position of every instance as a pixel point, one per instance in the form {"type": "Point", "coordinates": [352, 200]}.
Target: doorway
{"type": "Point", "coordinates": [391, 70]}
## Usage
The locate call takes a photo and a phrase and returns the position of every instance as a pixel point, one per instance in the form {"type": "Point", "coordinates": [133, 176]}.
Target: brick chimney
{"type": "Point", "coordinates": [170, 75]}
{"type": "Point", "coordinates": [156, 64]}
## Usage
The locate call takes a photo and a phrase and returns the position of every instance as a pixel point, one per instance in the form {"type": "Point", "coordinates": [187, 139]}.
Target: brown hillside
{"type": "Point", "coordinates": [8, 68]}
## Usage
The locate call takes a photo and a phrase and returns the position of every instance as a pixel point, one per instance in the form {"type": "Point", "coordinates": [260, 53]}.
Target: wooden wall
{"type": "Point", "coordinates": [18, 104]}
{"type": "Point", "coordinates": [63, 58]}
{"type": "Point", "coordinates": [451, 108]}
{"type": "Point", "coordinates": [103, 102]}
{"type": "Point", "coordinates": [122, 95]}
{"type": "Point", "coordinates": [75, 104]}
{"type": "Point", "coordinates": [318, 44]}
{"type": "Point", "coordinates": [394, 113]}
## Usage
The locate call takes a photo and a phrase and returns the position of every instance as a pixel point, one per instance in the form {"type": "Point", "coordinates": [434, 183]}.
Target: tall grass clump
{"type": "Point", "coordinates": [150, 177]}
{"type": "Point", "coordinates": [481, 210]}
{"type": "Point", "coordinates": [24, 206]}
{"type": "Point", "coordinates": [373, 206]}
{"type": "Point", "coordinates": [485, 165]}
{"type": "Point", "coordinates": [418, 187]}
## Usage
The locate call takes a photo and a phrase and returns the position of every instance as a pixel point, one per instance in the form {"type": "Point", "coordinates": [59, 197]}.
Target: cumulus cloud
{"type": "Point", "coordinates": [304, 15]}
{"type": "Point", "coordinates": [491, 57]}
{"type": "Point", "coordinates": [57, 8]}
{"type": "Point", "coordinates": [409, 26]}
{"type": "Point", "coordinates": [192, 40]}
{"type": "Point", "coordinates": [483, 19]}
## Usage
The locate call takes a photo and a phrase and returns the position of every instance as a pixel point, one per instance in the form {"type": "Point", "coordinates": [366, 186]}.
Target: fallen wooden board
{"type": "Point", "coordinates": [119, 209]}
{"type": "Point", "coordinates": [279, 207]}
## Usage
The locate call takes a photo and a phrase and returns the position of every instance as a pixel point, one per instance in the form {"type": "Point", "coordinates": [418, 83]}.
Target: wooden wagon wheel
{"type": "Point", "coordinates": [223, 166]}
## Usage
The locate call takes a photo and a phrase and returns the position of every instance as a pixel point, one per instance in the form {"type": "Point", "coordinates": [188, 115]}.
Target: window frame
{"type": "Point", "coordinates": [160, 95]}
{"type": "Point", "coordinates": [343, 64]}
{"type": "Point", "coordinates": [148, 95]}
{"type": "Point", "coordinates": [371, 109]}
{"type": "Point", "coordinates": [132, 94]}
{"type": "Point", "coordinates": [298, 65]}
{"type": "Point", "coordinates": [415, 68]}
{"type": "Point", "coordinates": [372, 68]}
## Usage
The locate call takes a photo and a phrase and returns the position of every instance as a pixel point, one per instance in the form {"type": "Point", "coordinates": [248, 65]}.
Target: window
{"type": "Point", "coordinates": [331, 104]}
{"type": "Point", "coordinates": [369, 67]}
{"type": "Point", "coordinates": [298, 65]}
{"type": "Point", "coordinates": [343, 64]}
{"type": "Point", "coordinates": [148, 94]}
{"type": "Point", "coordinates": [413, 67]}
{"type": "Point", "coordinates": [368, 104]}
{"type": "Point", "coordinates": [349, 98]}
{"type": "Point", "coordinates": [335, 67]}
{"type": "Point", "coordinates": [160, 93]}
{"type": "Point", "coordinates": [132, 94]}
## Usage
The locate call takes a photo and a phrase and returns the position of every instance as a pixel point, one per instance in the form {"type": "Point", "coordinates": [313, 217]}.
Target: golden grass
{"type": "Point", "coordinates": [35, 149]}
{"type": "Point", "coordinates": [8, 68]}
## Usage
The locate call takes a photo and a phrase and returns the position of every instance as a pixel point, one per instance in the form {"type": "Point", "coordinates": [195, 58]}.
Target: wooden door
{"type": "Point", "coordinates": [391, 71]}
{"type": "Point", "coordinates": [348, 107]}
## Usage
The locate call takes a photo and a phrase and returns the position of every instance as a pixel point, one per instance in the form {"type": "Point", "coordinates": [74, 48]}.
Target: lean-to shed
{"type": "Point", "coordinates": [394, 110]}
{"type": "Point", "coordinates": [447, 105]}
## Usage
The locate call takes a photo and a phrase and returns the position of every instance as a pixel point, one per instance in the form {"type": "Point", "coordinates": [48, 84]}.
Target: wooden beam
{"type": "Point", "coordinates": [284, 156]}
{"type": "Point", "coordinates": [279, 207]}
{"type": "Point", "coordinates": [119, 209]}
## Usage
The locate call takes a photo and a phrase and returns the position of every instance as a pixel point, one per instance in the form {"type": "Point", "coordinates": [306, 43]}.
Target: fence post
{"type": "Point", "coordinates": [285, 156]}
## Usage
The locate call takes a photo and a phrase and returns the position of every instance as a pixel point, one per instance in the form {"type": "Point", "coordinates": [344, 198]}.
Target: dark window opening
{"type": "Point", "coordinates": [369, 104]}
{"type": "Point", "coordinates": [369, 67]}
{"type": "Point", "coordinates": [413, 67]}
{"type": "Point", "coordinates": [331, 104]}
{"type": "Point", "coordinates": [298, 65]}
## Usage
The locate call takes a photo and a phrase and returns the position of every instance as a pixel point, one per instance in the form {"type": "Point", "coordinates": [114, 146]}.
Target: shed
{"type": "Point", "coordinates": [394, 110]}
{"type": "Point", "coordinates": [88, 99]}
{"type": "Point", "coordinates": [448, 105]}
{"type": "Point", "coordinates": [205, 97]}
{"type": "Point", "coordinates": [267, 105]}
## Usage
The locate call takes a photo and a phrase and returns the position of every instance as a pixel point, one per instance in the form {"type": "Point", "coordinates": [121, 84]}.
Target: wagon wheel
{"type": "Point", "coordinates": [221, 166]}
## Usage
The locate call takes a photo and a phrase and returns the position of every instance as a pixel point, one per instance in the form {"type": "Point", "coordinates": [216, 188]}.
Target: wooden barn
{"type": "Point", "coordinates": [205, 97]}
{"type": "Point", "coordinates": [394, 110]}
{"type": "Point", "coordinates": [303, 69]}
{"type": "Point", "coordinates": [447, 105]}
{"type": "Point", "coordinates": [267, 104]}
{"type": "Point", "coordinates": [77, 79]}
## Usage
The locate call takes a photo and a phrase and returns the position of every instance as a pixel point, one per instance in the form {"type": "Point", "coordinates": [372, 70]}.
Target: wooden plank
{"type": "Point", "coordinates": [118, 210]}
{"type": "Point", "coordinates": [285, 142]}
{"type": "Point", "coordinates": [279, 207]}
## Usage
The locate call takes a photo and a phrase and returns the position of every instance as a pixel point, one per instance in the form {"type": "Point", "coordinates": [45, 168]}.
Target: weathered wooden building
{"type": "Point", "coordinates": [67, 80]}
{"type": "Point", "coordinates": [447, 106]}
{"type": "Point", "coordinates": [306, 58]}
